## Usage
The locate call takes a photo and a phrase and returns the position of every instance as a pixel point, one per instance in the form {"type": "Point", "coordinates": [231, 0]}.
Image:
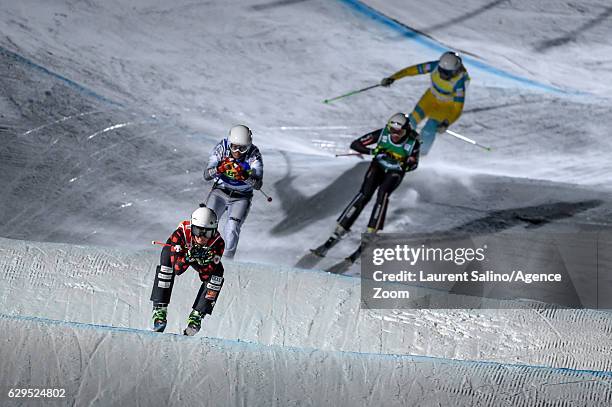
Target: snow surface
{"type": "Point", "coordinates": [558, 43]}
{"type": "Point", "coordinates": [109, 110]}
{"type": "Point", "coordinates": [275, 322]}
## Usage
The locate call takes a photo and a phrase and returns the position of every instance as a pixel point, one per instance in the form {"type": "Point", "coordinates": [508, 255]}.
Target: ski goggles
{"type": "Point", "coordinates": [202, 232]}
{"type": "Point", "coordinates": [395, 127]}
{"type": "Point", "coordinates": [446, 74]}
{"type": "Point", "coordinates": [235, 148]}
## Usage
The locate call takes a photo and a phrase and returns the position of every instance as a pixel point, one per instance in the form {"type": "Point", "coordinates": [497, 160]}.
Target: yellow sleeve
{"type": "Point", "coordinates": [414, 70]}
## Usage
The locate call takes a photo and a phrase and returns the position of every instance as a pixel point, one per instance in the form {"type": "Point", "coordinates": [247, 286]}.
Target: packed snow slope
{"type": "Point", "coordinates": [552, 42]}
{"type": "Point", "coordinates": [170, 370]}
{"type": "Point", "coordinates": [273, 323]}
{"type": "Point", "coordinates": [109, 109]}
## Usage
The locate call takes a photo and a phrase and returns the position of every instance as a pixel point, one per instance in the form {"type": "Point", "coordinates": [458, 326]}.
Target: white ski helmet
{"type": "Point", "coordinates": [450, 63]}
{"type": "Point", "coordinates": [204, 222]}
{"type": "Point", "coordinates": [397, 122]}
{"type": "Point", "coordinates": [240, 135]}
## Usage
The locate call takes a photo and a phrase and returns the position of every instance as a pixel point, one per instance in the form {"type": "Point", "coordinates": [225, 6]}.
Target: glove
{"type": "Point", "coordinates": [442, 126]}
{"type": "Point", "coordinates": [378, 151]}
{"type": "Point", "coordinates": [224, 165]}
{"type": "Point", "coordinates": [212, 172]}
{"type": "Point", "coordinates": [233, 169]}
{"type": "Point", "coordinates": [243, 171]}
{"type": "Point", "coordinates": [256, 183]}
{"type": "Point", "coordinates": [387, 81]}
{"type": "Point", "coordinates": [200, 255]}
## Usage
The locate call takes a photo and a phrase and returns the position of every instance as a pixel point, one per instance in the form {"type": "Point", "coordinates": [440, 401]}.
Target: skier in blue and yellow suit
{"type": "Point", "coordinates": [443, 102]}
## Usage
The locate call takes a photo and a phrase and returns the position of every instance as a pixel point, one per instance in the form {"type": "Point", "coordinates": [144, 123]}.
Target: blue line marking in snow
{"type": "Point", "coordinates": [432, 44]}
{"type": "Point", "coordinates": [67, 81]}
{"type": "Point", "coordinates": [107, 328]}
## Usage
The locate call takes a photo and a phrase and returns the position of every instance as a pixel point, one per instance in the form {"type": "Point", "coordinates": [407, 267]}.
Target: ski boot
{"type": "Point", "coordinates": [194, 323]}
{"type": "Point", "coordinates": [159, 317]}
{"type": "Point", "coordinates": [353, 257]}
{"type": "Point", "coordinates": [322, 250]}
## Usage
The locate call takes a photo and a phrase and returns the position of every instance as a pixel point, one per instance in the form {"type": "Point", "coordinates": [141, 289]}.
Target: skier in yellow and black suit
{"type": "Point", "coordinates": [443, 102]}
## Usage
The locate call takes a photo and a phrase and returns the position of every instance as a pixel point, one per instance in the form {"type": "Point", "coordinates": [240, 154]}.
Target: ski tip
{"type": "Point", "coordinates": [317, 253]}
{"type": "Point", "coordinates": [340, 268]}
{"type": "Point", "coordinates": [326, 101]}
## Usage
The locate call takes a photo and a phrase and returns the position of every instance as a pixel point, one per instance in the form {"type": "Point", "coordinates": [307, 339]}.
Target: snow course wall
{"type": "Point", "coordinates": [109, 366]}
{"type": "Point", "coordinates": [303, 341]}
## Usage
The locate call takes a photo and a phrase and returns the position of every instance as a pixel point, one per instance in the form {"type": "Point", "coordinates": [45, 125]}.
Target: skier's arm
{"type": "Point", "coordinates": [413, 159]}
{"type": "Point", "coordinates": [360, 144]}
{"type": "Point", "coordinates": [178, 252]}
{"type": "Point", "coordinates": [414, 70]}
{"type": "Point", "coordinates": [460, 91]}
{"type": "Point", "coordinates": [255, 177]}
{"type": "Point", "coordinates": [214, 159]}
{"type": "Point", "coordinates": [214, 254]}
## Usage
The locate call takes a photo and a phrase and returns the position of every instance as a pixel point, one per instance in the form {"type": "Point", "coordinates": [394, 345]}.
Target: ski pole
{"type": "Point", "coordinates": [467, 140]}
{"type": "Point", "coordinates": [349, 154]}
{"type": "Point", "coordinates": [171, 245]}
{"type": "Point", "coordinates": [351, 93]}
{"type": "Point", "coordinates": [268, 197]}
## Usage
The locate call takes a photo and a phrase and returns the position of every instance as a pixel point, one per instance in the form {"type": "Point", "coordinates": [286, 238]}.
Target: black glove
{"type": "Point", "coordinates": [387, 81]}
{"type": "Point", "coordinates": [200, 255]}
{"type": "Point", "coordinates": [442, 126]}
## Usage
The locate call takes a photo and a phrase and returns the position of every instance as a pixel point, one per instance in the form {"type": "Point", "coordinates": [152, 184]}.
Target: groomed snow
{"type": "Point", "coordinates": [101, 365]}
{"type": "Point", "coordinates": [298, 321]}
{"type": "Point", "coordinates": [109, 109]}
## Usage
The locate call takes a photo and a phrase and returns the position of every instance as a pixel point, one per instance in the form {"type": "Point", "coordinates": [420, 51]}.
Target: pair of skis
{"type": "Point", "coordinates": [343, 265]}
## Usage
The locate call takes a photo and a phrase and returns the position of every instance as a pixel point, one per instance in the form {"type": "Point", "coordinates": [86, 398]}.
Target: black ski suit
{"type": "Point", "coordinates": [378, 176]}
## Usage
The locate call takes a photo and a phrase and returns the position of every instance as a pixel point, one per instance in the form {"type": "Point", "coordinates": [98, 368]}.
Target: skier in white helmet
{"type": "Point", "coordinates": [443, 102]}
{"type": "Point", "coordinates": [196, 243]}
{"type": "Point", "coordinates": [236, 166]}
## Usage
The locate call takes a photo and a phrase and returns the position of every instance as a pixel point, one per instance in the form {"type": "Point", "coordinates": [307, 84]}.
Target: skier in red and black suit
{"type": "Point", "coordinates": [396, 153]}
{"type": "Point", "coordinates": [198, 244]}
